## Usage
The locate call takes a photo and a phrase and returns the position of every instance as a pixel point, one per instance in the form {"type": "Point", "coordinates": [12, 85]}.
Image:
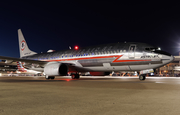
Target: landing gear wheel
{"type": "Point", "coordinates": [142, 77]}
{"type": "Point", "coordinates": [46, 76]}
{"type": "Point", "coordinates": [52, 77]}
{"type": "Point", "coordinates": [49, 77]}
{"type": "Point", "coordinates": [75, 76]}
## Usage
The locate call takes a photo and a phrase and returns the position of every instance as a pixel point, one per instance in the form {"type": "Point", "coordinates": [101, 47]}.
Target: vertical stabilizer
{"type": "Point", "coordinates": [23, 47]}
{"type": "Point", "coordinates": [20, 67]}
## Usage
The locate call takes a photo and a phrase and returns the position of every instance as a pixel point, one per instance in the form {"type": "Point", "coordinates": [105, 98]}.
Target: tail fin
{"type": "Point", "coordinates": [23, 47]}
{"type": "Point", "coordinates": [20, 67]}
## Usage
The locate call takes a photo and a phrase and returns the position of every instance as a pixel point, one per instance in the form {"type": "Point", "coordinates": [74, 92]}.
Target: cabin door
{"type": "Point", "coordinates": [131, 53]}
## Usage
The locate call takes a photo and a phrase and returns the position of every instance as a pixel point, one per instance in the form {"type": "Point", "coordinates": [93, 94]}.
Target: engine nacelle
{"type": "Point", "coordinates": [54, 69]}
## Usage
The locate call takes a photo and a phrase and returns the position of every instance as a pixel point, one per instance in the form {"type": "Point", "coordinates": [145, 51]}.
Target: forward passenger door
{"type": "Point", "coordinates": [132, 49]}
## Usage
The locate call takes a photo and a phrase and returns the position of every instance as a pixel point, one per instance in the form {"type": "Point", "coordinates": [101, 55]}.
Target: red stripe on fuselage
{"type": "Point", "coordinates": [116, 60]}
{"type": "Point", "coordinates": [99, 57]}
{"type": "Point", "coordinates": [85, 58]}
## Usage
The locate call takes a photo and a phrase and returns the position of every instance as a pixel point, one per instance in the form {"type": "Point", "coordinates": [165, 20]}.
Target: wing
{"type": "Point", "coordinates": [12, 59]}
{"type": "Point", "coordinates": [29, 63]}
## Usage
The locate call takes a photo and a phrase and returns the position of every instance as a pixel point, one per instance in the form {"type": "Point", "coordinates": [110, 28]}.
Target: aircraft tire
{"type": "Point", "coordinates": [47, 77]}
{"type": "Point", "coordinates": [73, 76]}
{"type": "Point", "coordinates": [52, 77]}
{"type": "Point", "coordinates": [142, 77]}
{"type": "Point", "coordinates": [77, 76]}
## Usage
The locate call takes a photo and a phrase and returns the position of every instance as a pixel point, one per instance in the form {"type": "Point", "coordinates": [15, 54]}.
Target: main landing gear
{"type": "Point", "coordinates": [75, 76]}
{"type": "Point", "coordinates": [142, 77]}
{"type": "Point", "coordinates": [49, 77]}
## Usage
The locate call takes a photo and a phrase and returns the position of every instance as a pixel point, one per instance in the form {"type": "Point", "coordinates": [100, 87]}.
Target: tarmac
{"type": "Point", "coordinates": [89, 96]}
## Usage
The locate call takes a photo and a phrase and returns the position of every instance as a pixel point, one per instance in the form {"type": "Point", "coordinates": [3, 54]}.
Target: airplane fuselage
{"type": "Point", "coordinates": [109, 57]}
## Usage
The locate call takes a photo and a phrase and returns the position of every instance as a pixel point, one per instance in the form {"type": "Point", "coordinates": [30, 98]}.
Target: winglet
{"type": "Point", "coordinates": [23, 47]}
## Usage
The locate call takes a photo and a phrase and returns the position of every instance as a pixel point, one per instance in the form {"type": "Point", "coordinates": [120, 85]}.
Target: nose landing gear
{"type": "Point", "coordinates": [142, 77]}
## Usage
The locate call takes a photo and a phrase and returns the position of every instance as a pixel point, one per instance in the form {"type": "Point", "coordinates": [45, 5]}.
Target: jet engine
{"type": "Point", "coordinates": [54, 69]}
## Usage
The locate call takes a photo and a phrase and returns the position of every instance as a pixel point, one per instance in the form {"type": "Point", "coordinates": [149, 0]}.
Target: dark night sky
{"type": "Point", "coordinates": [58, 25]}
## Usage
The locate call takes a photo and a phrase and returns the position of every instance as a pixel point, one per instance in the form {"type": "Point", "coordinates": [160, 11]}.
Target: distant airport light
{"type": "Point", "coordinates": [76, 47]}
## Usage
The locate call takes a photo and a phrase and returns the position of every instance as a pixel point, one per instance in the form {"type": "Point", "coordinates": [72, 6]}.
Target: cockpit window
{"type": "Point", "coordinates": [157, 50]}
{"type": "Point", "coordinates": [162, 52]}
{"type": "Point", "coordinates": [147, 49]}
{"type": "Point", "coordinates": [152, 49]}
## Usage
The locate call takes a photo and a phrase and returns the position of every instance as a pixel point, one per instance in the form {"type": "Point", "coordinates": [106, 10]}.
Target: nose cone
{"type": "Point", "coordinates": [171, 58]}
{"type": "Point", "coordinates": [167, 59]}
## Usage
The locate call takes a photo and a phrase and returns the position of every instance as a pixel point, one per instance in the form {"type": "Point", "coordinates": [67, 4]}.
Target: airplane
{"type": "Point", "coordinates": [99, 59]}
{"type": "Point", "coordinates": [22, 69]}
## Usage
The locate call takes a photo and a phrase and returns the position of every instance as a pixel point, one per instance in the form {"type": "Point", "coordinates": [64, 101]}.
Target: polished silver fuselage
{"type": "Point", "coordinates": [108, 57]}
